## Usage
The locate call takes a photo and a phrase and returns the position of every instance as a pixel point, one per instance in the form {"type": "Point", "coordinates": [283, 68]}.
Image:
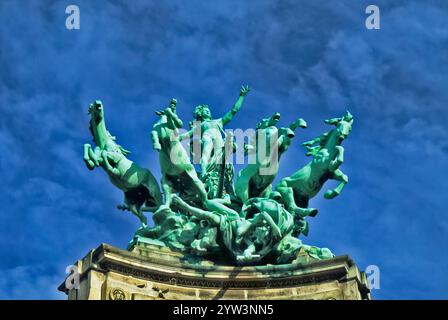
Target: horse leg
{"type": "Point", "coordinates": [88, 153]}
{"type": "Point", "coordinates": [97, 157]}
{"type": "Point", "coordinates": [290, 203]}
{"type": "Point", "coordinates": [287, 195]}
{"type": "Point", "coordinates": [338, 160]}
{"type": "Point", "coordinates": [108, 166]}
{"type": "Point", "coordinates": [304, 212]}
{"type": "Point", "coordinates": [137, 213]}
{"type": "Point", "coordinates": [215, 205]}
{"type": "Point", "coordinates": [338, 175]}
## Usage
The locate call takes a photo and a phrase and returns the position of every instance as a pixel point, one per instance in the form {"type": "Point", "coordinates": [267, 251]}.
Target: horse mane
{"type": "Point", "coordinates": [91, 131]}
{"type": "Point", "coordinates": [312, 151]}
{"type": "Point", "coordinates": [120, 148]}
{"type": "Point", "coordinates": [262, 124]}
{"type": "Point", "coordinates": [113, 138]}
{"type": "Point", "coordinates": [90, 128]}
{"type": "Point", "coordinates": [323, 139]}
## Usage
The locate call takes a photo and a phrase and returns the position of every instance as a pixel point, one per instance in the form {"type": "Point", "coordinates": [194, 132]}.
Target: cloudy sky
{"type": "Point", "coordinates": [310, 59]}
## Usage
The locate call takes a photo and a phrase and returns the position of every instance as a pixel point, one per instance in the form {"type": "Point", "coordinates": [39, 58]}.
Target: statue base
{"type": "Point", "coordinates": [150, 271]}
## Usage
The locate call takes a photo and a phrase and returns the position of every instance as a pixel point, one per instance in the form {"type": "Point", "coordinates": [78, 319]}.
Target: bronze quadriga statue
{"type": "Point", "coordinates": [204, 213]}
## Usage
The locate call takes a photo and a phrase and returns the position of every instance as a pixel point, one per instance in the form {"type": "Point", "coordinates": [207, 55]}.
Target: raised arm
{"type": "Point", "coordinates": [237, 106]}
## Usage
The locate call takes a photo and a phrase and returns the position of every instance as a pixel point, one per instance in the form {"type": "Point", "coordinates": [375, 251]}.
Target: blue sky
{"type": "Point", "coordinates": [309, 59]}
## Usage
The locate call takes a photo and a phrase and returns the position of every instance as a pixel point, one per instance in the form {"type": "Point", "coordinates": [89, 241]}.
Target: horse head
{"type": "Point", "coordinates": [332, 138]}
{"type": "Point", "coordinates": [343, 125]}
{"type": "Point", "coordinates": [169, 116]}
{"type": "Point", "coordinates": [96, 111]}
{"type": "Point", "coordinates": [97, 126]}
{"type": "Point", "coordinates": [268, 122]}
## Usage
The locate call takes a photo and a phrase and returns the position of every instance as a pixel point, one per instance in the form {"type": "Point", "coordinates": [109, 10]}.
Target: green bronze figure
{"type": "Point", "coordinates": [209, 134]}
{"type": "Point", "coordinates": [212, 130]}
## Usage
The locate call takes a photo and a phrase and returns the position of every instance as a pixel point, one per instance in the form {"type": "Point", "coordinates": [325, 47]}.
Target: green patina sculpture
{"type": "Point", "coordinates": [141, 191]}
{"type": "Point", "coordinates": [204, 213]}
{"type": "Point", "coordinates": [328, 155]}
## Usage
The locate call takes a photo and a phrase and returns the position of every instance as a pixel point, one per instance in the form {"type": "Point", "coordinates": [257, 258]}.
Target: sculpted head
{"type": "Point", "coordinates": [202, 112]}
{"type": "Point", "coordinates": [269, 122]}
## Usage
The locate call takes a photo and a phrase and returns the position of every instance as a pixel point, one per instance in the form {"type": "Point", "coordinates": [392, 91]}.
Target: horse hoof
{"type": "Point", "coordinates": [330, 194]}
{"type": "Point", "coordinates": [89, 163]}
{"type": "Point", "coordinates": [312, 212]}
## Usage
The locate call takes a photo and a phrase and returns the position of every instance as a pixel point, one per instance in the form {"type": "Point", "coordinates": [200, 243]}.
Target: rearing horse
{"type": "Point", "coordinates": [141, 191]}
{"type": "Point", "coordinates": [328, 155]}
{"type": "Point", "coordinates": [178, 174]}
{"type": "Point", "coordinates": [270, 143]}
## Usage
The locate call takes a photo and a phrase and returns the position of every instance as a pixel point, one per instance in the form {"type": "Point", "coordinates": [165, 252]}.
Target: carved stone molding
{"type": "Point", "coordinates": [115, 274]}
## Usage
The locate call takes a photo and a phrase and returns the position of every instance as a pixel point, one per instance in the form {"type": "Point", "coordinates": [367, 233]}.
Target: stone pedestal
{"type": "Point", "coordinates": [149, 271]}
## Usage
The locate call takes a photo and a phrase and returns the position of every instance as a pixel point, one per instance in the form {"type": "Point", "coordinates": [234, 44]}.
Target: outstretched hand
{"type": "Point", "coordinates": [244, 90]}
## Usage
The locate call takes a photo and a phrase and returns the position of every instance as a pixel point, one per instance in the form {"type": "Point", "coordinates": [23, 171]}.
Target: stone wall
{"type": "Point", "coordinates": [149, 271]}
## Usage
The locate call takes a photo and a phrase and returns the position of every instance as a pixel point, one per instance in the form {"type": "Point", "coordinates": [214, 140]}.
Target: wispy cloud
{"type": "Point", "coordinates": [310, 59]}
